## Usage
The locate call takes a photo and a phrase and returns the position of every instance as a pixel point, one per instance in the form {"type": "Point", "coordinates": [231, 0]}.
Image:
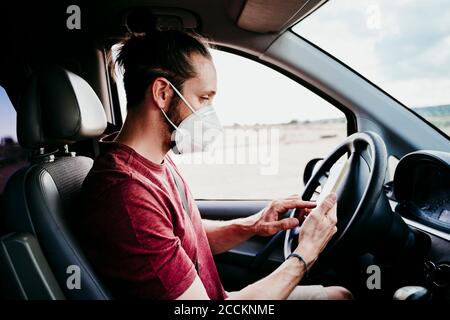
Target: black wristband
{"type": "Point", "coordinates": [299, 257]}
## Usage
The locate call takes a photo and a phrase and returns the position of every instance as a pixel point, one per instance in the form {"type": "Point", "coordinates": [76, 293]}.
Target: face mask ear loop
{"type": "Point", "coordinates": [182, 98]}
{"type": "Point", "coordinates": [170, 121]}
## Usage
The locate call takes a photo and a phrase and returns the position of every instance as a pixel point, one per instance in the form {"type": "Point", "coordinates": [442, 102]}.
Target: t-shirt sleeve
{"type": "Point", "coordinates": [148, 259]}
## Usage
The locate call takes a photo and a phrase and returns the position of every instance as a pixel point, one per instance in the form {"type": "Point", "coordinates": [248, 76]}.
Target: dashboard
{"type": "Point", "coordinates": [422, 188]}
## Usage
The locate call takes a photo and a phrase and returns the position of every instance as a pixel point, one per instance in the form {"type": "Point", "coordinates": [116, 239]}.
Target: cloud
{"type": "Point", "coordinates": [415, 40]}
{"type": "Point", "coordinates": [397, 44]}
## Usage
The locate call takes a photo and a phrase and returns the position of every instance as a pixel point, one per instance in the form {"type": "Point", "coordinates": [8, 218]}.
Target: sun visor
{"type": "Point", "coordinates": [266, 16]}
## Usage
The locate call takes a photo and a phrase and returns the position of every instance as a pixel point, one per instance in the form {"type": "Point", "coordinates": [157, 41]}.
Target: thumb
{"type": "Point", "coordinates": [285, 224]}
{"type": "Point", "coordinates": [327, 204]}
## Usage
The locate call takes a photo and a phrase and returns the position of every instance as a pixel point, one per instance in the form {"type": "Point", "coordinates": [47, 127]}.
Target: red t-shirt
{"type": "Point", "coordinates": [134, 231]}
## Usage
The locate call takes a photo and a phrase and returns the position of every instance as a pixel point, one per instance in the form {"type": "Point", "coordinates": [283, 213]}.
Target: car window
{"type": "Point", "coordinates": [118, 77]}
{"type": "Point", "coordinates": [401, 46]}
{"type": "Point", "coordinates": [272, 127]}
{"type": "Point", "coordinates": [12, 156]}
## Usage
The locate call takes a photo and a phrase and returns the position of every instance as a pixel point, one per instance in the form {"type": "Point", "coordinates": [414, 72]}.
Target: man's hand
{"type": "Point", "coordinates": [224, 235]}
{"type": "Point", "coordinates": [268, 222]}
{"type": "Point", "coordinates": [317, 229]}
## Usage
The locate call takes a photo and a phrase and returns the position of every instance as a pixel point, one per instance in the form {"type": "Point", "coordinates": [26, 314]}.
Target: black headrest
{"type": "Point", "coordinates": [58, 107]}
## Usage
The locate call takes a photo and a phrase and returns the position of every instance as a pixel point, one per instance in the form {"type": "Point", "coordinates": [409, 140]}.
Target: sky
{"type": "Point", "coordinates": [7, 116]}
{"type": "Point", "coordinates": [249, 93]}
{"type": "Point", "coordinates": [403, 46]}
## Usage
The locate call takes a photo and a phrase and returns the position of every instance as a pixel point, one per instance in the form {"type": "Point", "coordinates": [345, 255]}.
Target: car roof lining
{"type": "Point", "coordinates": [270, 16]}
{"type": "Point", "coordinates": [49, 41]}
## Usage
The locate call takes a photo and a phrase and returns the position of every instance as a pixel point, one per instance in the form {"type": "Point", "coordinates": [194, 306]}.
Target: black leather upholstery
{"type": "Point", "coordinates": [57, 108]}
{"type": "Point", "coordinates": [25, 271]}
{"type": "Point", "coordinates": [41, 200]}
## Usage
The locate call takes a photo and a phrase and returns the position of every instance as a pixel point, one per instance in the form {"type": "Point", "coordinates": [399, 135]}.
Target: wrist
{"type": "Point", "coordinates": [301, 260]}
{"type": "Point", "coordinates": [250, 224]}
{"type": "Point", "coordinates": [308, 255]}
{"type": "Point", "coordinates": [295, 267]}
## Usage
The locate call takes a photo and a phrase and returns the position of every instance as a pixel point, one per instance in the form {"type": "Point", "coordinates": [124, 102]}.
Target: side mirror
{"type": "Point", "coordinates": [310, 168]}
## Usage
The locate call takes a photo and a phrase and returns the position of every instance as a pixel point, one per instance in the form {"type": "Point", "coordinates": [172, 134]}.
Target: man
{"type": "Point", "coordinates": [133, 226]}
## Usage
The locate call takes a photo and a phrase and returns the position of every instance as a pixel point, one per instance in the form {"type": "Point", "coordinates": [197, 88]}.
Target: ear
{"type": "Point", "coordinates": [162, 93]}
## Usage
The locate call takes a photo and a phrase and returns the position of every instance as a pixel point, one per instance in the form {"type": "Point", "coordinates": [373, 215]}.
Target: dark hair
{"type": "Point", "coordinates": [145, 57]}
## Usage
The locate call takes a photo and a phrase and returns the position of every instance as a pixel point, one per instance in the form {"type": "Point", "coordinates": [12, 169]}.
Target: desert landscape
{"type": "Point", "coordinates": [299, 142]}
{"type": "Point", "coordinates": [275, 176]}
{"type": "Point", "coordinates": [267, 164]}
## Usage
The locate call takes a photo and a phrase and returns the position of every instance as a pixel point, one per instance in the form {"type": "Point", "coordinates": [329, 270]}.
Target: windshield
{"type": "Point", "coordinates": [402, 46]}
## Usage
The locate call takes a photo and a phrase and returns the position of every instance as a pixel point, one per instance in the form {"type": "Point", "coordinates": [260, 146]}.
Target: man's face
{"type": "Point", "coordinates": [198, 91]}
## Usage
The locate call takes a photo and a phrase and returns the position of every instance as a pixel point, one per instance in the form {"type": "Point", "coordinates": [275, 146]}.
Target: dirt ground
{"type": "Point", "coordinates": [298, 143]}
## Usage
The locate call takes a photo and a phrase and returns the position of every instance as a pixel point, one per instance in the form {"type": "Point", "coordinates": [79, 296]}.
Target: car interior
{"type": "Point", "coordinates": [61, 83]}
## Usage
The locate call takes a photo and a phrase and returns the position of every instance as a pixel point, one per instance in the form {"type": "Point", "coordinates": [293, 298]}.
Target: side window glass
{"type": "Point", "coordinates": [12, 155]}
{"type": "Point", "coordinates": [273, 127]}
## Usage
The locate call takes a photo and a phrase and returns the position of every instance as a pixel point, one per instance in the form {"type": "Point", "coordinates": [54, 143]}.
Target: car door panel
{"type": "Point", "coordinates": [248, 261]}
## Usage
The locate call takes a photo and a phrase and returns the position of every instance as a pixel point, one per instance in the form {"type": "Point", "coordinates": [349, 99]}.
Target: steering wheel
{"type": "Point", "coordinates": [356, 171]}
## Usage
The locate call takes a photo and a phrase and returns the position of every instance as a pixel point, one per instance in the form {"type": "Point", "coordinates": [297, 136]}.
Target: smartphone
{"type": "Point", "coordinates": [337, 174]}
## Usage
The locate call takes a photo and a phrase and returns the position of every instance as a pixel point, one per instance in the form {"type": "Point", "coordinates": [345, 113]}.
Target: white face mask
{"type": "Point", "coordinates": [197, 131]}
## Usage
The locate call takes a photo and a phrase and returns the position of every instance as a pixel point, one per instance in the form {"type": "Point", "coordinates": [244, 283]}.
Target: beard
{"type": "Point", "coordinates": [173, 113]}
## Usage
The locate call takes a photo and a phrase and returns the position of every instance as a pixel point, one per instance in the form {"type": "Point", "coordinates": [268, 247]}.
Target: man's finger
{"type": "Point", "coordinates": [328, 202]}
{"type": "Point", "coordinates": [297, 197]}
{"type": "Point", "coordinates": [294, 203]}
{"type": "Point", "coordinates": [302, 212]}
{"type": "Point", "coordinates": [285, 224]}
{"type": "Point", "coordinates": [332, 213]}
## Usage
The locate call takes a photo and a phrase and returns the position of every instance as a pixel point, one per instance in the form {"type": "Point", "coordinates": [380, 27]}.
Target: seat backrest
{"type": "Point", "coordinates": [58, 108]}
